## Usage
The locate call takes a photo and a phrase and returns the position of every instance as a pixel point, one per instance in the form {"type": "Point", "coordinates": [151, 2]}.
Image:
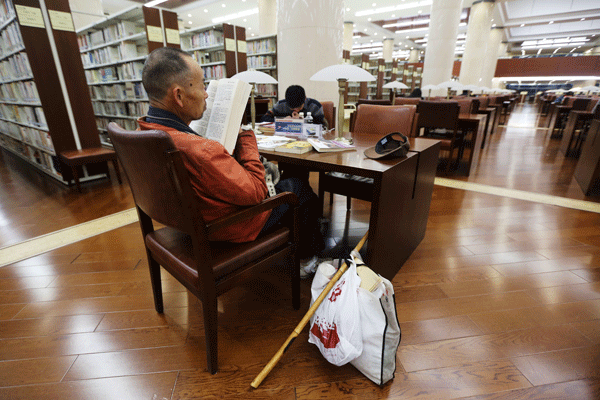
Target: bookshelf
{"type": "Point", "coordinates": [43, 112]}
{"type": "Point", "coordinates": [219, 49]}
{"type": "Point", "coordinates": [262, 56]}
{"type": "Point", "coordinates": [113, 53]}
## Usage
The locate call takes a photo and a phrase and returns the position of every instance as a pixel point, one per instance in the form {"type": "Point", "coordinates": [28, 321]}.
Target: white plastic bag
{"type": "Point", "coordinates": [335, 326]}
{"type": "Point", "coordinates": [380, 332]}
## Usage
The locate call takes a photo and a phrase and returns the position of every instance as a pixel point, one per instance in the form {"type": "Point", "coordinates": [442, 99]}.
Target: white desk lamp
{"type": "Point", "coordinates": [393, 86]}
{"type": "Point", "coordinates": [429, 87]}
{"type": "Point", "coordinates": [342, 73]}
{"type": "Point", "coordinates": [253, 78]}
{"type": "Point", "coordinates": [450, 85]}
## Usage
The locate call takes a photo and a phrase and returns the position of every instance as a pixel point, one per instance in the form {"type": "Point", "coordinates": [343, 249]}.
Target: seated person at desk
{"type": "Point", "coordinates": [222, 183]}
{"type": "Point", "coordinates": [294, 103]}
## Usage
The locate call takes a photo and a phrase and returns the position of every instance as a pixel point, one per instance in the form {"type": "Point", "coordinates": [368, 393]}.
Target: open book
{"type": "Point", "coordinates": [322, 145]}
{"type": "Point", "coordinates": [225, 105]}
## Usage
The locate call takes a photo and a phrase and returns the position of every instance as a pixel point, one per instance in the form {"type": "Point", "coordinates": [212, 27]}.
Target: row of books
{"type": "Point", "coordinates": [128, 124]}
{"type": "Point", "coordinates": [135, 109]}
{"type": "Point", "coordinates": [10, 39]}
{"type": "Point", "coordinates": [23, 114]}
{"type": "Point", "coordinates": [203, 57]}
{"type": "Point", "coordinates": [16, 66]}
{"type": "Point", "coordinates": [119, 91]}
{"type": "Point", "coordinates": [7, 10]}
{"type": "Point", "coordinates": [124, 51]}
{"type": "Point", "coordinates": [120, 30]}
{"type": "Point", "coordinates": [43, 159]}
{"type": "Point", "coordinates": [261, 46]}
{"type": "Point", "coordinates": [126, 71]}
{"type": "Point", "coordinates": [266, 89]}
{"type": "Point", "coordinates": [214, 72]}
{"type": "Point", "coordinates": [203, 39]}
{"type": "Point", "coordinates": [261, 62]}
{"type": "Point", "coordinates": [20, 91]}
{"type": "Point", "coordinates": [34, 137]}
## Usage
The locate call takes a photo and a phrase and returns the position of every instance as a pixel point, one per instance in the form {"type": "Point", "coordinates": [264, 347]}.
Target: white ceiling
{"type": "Point", "coordinates": [536, 15]}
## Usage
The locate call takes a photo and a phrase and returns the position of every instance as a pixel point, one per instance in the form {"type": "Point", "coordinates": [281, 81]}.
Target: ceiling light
{"type": "Point", "coordinates": [582, 19]}
{"type": "Point", "coordinates": [385, 10]}
{"type": "Point", "coordinates": [551, 22]}
{"type": "Point", "coordinates": [423, 21]}
{"type": "Point", "coordinates": [189, 15]}
{"type": "Point", "coordinates": [348, 9]}
{"type": "Point", "coordinates": [494, 25]}
{"type": "Point", "coordinates": [522, 25]}
{"type": "Point", "coordinates": [153, 3]}
{"type": "Point", "coordinates": [205, 10]}
{"type": "Point", "coordinates": [413, 30]}
{"type": "Point", "coordinates": [223, 5]}
{"type": "Point", "coordinates": [240, 14]}
{"type": "Point", "coordinates": [190, 22]}
{"type": "Point", "coordinates": [369, 19]}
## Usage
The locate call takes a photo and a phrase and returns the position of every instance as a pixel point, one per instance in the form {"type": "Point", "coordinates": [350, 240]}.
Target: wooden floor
{"type": "Point", "coordinates": [501, 300]}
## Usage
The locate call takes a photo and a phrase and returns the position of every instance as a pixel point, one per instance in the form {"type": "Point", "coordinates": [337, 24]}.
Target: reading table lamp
{"type": "Point", "coordinates": [429, 87]}
{"type": "Point", "coordinates": [450, 85]}
{"type": "Point", "coordinates": [342, 73]}
{"type": "Point", "coordinates": [393, 86]}
{"type": "Point", "coordinates": [253, 78]}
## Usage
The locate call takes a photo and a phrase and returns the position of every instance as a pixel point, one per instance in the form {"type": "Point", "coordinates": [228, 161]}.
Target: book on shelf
{"type": "Point", "coordinates": [323, 146]}
{"type": "Point", "coordinates": [296, 147]}
{"type": "Point", "coordinates": [225, 105]}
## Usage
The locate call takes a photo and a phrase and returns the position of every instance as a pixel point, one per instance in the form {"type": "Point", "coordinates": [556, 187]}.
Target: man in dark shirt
{"type": "Point", "coordinates": [294, 103]}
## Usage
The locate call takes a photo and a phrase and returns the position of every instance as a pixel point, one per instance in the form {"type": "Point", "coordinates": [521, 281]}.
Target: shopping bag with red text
{"type": "Point", "coordinates": [335, 326]}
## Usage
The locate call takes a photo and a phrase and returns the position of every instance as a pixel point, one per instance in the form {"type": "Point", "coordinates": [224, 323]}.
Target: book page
{"type": "Point", "coordinates": [228, 108]}
{"type": "Point", "coordinates": [200, 125]}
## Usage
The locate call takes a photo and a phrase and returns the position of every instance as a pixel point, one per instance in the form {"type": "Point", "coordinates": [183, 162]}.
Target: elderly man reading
{"type": "Point", "coordinates": [221, 182]}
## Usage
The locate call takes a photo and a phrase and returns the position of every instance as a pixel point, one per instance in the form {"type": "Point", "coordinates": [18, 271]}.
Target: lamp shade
{"type": "Point", "coordinates": [254, 77]}
{"type": "Point", "coordinates": [472, 88]}
{"type": "Point", "coordinates": [429, 87]}
{"type": "Point", "coordinates": [351, 73]}
{"type": "Point", "coordinates": [395, 85]}
{"type": "Point", "coordinates": [450, 85]}
{"type": "Point", "coordinates": [591, 88]}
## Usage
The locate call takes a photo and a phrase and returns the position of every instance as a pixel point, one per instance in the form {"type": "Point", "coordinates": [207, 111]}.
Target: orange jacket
{"type": "Point", "coordinates": [223, 183]}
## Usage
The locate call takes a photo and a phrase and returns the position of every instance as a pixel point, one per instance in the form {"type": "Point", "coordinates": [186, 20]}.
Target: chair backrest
{"type": "Point", "coordinates": [592, 104]}
{"type": "Point", "coordinates": [465, 104]}
{"type": "Point", "coordinates": [438, 114]}
{"type": "Point", "coordinates": [380, 120]}
{"type": "Point", "coordinates": [329, 111]}
{"type": "Point", "coordinates": [475, 104]}
{"type": "Point", "coordinates": [400, 101]}
{"type": "Point", "coordinates": [483, 102]}
{"type": "Point", "coordinates": [381, 102]}
{"type": "Point", "coordinates": [159, 181]}
{"type": "Point", "coordinates": [580, 104]}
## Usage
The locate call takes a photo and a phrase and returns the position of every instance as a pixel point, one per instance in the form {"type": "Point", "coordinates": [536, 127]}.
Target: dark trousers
{"type": "Point", "coordinates": [311, 240]}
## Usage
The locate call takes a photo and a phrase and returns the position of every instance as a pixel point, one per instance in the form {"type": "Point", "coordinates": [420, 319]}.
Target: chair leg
{"type": "Point", "coordinates": [116, 165]}
{"type": "Point", "coordinates": [295, 276]}
{"type": "Point", "coordinates": [348, 202]}
{"type": "Point", "coordinates": [156, 285]}
{"type": "Point", "coordinates": [76, 177]}
{"type": "Point", "coordinates": [209, 308]}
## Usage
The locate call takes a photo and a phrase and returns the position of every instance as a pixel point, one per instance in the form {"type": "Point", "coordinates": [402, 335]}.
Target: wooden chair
{"type": "Point", "coordinates": [402, 101]}
{"type": "Point", "coordinates": [378, 102]}
{"type": "Point", "coordinates": [372, 120]}
{"type": "Point", "coordinates": [439, 120]}
{"type": "Point", "coordinates": [329, 111]}
{"type": "Point", "coordinates": [162, 192]}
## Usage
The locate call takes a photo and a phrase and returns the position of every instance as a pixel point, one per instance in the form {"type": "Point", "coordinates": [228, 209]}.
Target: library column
{"type": "Point", "coordinates": [478, 35]}
{"type": "Point", "coordinates": [309, 38]}
{"type": "Point", "coordinates": [267, 17]}
{"type": "Point", "coordinates": [388, 49]}
{"type": "Point", "coordinates": [493, 51]}
{"type": "Point", "coordinates": [439, 53]}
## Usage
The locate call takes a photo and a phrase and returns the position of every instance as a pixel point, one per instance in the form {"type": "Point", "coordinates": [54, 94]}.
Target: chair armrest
{"type": "Point", "coordinates": [251, 211]}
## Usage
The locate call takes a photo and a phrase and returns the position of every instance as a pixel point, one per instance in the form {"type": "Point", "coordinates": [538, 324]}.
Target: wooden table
{"type": "Point", "coordinates": [587, 171]}
{"type": "Point", "coordinates": [576, 121]}
{"type": "Point", "coordinates": [402, 192]}
{"type": "Point", "coordinates": [490, 112]}
{"type": "Point", "coordinates": [475, 124]}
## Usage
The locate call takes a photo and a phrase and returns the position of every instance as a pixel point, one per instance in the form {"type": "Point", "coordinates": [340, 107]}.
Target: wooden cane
{"type": "Point", "coordinates": [265, 371]}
